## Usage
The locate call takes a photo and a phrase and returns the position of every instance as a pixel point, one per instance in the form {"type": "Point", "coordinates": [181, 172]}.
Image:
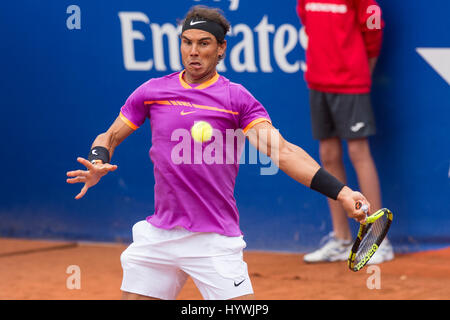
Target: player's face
{"type": "Point", "coordinates": [200, 53]}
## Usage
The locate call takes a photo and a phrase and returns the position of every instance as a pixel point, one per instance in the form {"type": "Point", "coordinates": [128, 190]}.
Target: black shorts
{"type": "Point", "coordinates": [347, 116]}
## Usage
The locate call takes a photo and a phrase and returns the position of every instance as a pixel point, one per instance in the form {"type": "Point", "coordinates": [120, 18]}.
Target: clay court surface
{"type": "Point", "coordinates": [32, 269]}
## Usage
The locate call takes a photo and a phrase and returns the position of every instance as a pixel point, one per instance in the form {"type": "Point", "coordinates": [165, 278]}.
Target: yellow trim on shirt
{"type": "Point", "coordinates": [165, 102]}
{"type": "Point", "coordinates": [256, 121]}
{"type": "Point", "coordinates": [128, 122]}
{"type": "Point", "coordinates": [198, 106]}
{"type": "Point", "coordinates": [209, 82]}
{"type": "Point", "coordinates": [188, 104]}
{"type": "Point", "coordinates": [201, 86]}
{"type": "Point", "coordinates": [182, 82]}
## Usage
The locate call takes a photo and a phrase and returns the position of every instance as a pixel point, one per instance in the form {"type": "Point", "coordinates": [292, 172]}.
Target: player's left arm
{"type": "Point", "coordinates": [299, 165]}
{"type": "Point", "coordinates": [108, 140]}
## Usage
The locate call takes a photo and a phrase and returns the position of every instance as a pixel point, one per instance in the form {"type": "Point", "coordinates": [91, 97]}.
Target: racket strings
{"type": "Point", "coordinates": [373, 233]}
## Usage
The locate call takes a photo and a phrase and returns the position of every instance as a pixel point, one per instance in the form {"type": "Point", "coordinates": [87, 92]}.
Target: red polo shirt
{"type": "Point", "coordinates": [342, 36]}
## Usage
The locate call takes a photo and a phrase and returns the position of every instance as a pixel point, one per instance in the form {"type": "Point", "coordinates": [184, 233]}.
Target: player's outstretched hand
{"type": "Point", "coordinates": [348, 199]}
{"type": "Point", "coordinates": [89, 177]}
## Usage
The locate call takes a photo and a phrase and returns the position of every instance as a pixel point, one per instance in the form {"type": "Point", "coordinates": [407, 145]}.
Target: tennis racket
{"type": "Point", "coordinates": [370, 235]}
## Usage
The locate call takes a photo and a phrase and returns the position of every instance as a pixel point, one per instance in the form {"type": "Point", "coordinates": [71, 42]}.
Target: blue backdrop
{"type": "Point", "coordinates": [67, 70]}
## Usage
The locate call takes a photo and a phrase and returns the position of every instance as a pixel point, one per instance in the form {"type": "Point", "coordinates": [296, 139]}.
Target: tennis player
{"type": "Point", "coordinates": [194, 230]}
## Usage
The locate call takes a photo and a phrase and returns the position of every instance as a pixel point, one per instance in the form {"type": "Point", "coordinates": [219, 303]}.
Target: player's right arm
{"type": "Point", "coordinates": [110, 139]}
{"type": "Point", "coordinates": [300, 166]}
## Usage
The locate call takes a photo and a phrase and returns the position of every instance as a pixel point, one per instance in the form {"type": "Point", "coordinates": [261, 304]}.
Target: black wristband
{"type": "Point", "coordinates": [326, 184]}
{"type": "Point", "coordinates": [99, 153]}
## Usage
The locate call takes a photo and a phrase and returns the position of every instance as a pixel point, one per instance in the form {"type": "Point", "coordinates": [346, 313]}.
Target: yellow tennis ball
{"type": "Point", "coordinates": [201, 131]}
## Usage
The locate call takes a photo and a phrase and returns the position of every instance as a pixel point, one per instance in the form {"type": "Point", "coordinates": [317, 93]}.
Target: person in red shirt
{"type": "Point", "coordinates": [344, 42]}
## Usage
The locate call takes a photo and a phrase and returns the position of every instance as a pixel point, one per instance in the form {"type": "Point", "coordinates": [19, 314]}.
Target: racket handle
{"type": "Point", "coordinates": [363, 207]}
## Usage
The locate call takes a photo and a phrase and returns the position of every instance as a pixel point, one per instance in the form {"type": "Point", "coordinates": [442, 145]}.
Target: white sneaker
{"type": "Point", "coordinates": [384, 253]}
{"type": "Point", "coordinates": [333, 250]}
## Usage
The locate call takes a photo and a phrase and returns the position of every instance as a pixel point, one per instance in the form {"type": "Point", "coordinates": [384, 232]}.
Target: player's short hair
{"type": "Point", "coordinates": [212, 14]}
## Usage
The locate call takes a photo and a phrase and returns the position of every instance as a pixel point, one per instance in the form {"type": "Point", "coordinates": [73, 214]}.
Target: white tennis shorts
{"type": "Point", "coordinates": [159, 261]}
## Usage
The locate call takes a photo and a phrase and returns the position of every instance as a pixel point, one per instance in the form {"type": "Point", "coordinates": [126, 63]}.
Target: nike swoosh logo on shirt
{"type": "Point", "coordinates": [357, 126]}
{"type": "Point", "coordinates": [185, 113]}
{"type": "Point", "coordinates": [192, 23]}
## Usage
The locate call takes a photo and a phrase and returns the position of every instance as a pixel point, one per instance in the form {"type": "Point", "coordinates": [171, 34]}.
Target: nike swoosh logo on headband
{"type": "Point", "coordinates": [192, 23]}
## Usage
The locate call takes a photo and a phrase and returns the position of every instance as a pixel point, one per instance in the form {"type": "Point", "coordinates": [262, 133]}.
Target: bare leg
{"type": "Point", "coordinates": [331, 157]}
{"type": "Point", "coordinates": [361, 158]}
{"type": "Point", "coordinates": [135, 296]}
{"type": "Point", "coordinates": [245, 297]}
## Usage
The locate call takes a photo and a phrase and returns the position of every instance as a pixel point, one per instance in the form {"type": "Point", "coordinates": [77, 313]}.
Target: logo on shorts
{"type": "Point", "coordinates": [239, 283]}
{"type": "Point", "coordinates": [357, 126]}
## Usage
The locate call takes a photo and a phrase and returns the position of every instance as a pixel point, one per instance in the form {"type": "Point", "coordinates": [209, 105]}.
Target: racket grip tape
{"type": "Point", "coordinates": [360, 205]}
